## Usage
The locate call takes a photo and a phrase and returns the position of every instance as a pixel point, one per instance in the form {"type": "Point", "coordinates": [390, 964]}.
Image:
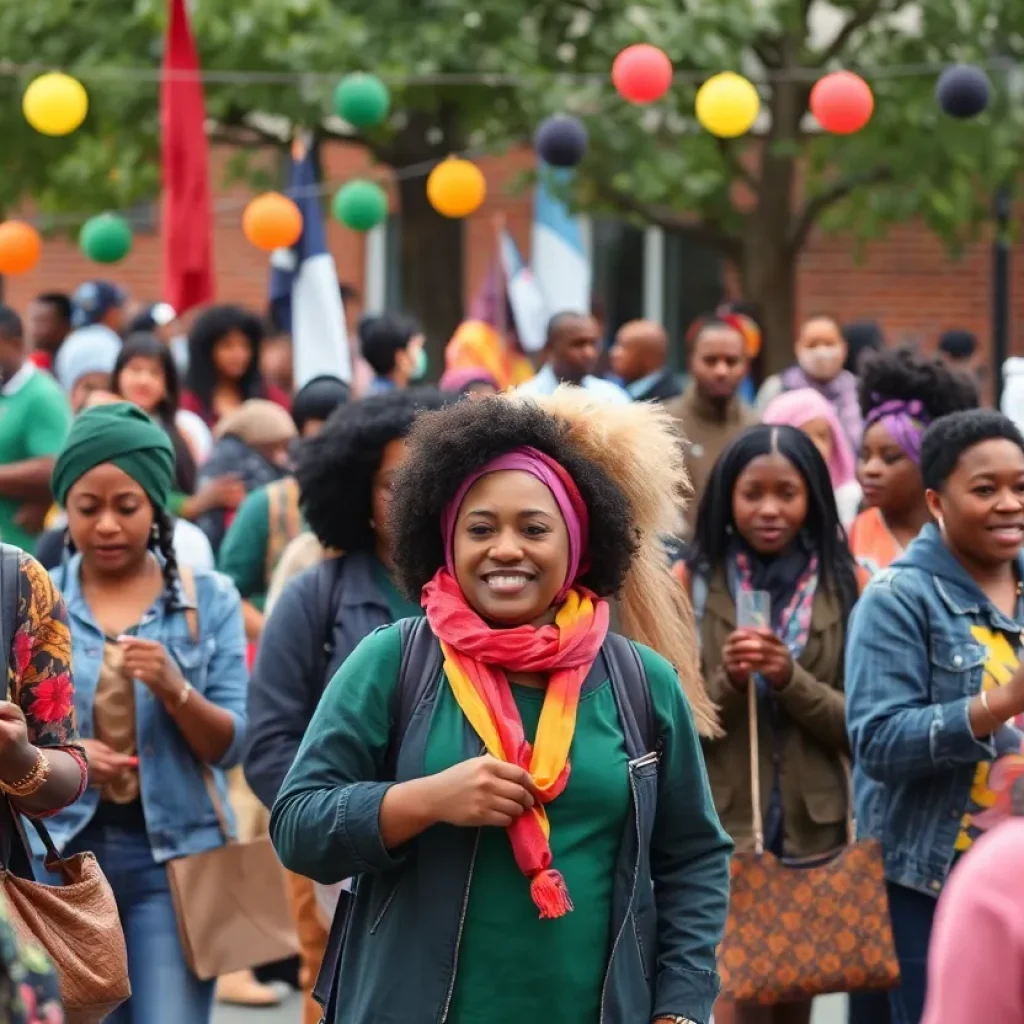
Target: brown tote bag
{"type": "Point", "coordinates": [76, 923]}
{"type": "Point", "coordinates": [231, 902]}
{"type": "Point", "coordinates": [795, 932]}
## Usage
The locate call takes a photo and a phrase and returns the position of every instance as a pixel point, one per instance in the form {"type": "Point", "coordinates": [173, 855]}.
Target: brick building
{"type": "Point", "coordinates": [908, 282]}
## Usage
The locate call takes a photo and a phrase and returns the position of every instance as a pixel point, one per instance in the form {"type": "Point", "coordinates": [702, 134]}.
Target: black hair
{"type": "Point", "coordinates": [906, 375]}
{"type": "Point", "coordinates": [862, 337]}
{"type": "Point", "coordinates": [383, 337]}
{"type": "Point", "coordinates": [317, 399]}
{"type": "Point", "coordinates": [446, 446]}
{"type": "Point", "coordinates": [348, 292]}
{"type": "Point", "coordinates": [559, 320]}
{"type": "Point", "coordinates": [60, 301]}
{"type": "Point", "coordinates": [707, 323]}
{"type": "Point", "coordinates": [209, 328]}
{"type": "Point", "coordinates": [822, 529]}
{"type": "Point", "coordinates": [958, 344]}
{"type": "Point", "coordinates": [335, 469]}
{"type": "Point", "coordinates": [948, 438]}
{"type": "Point", "coordinates": [148, 346]}
{"type": "Point", "coordinates": [10, 324]}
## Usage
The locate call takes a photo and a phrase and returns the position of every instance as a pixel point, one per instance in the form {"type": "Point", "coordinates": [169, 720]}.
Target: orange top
{"type": "Point", "coordinates": [872, 543]}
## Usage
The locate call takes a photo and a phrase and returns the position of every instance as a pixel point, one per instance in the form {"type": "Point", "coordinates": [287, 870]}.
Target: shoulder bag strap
{"type": "Point", "coordinates": [633, 694]}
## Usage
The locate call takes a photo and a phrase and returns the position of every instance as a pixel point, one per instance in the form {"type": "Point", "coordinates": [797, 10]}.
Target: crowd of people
{"type": "Point", "coordinates": [479, 658]}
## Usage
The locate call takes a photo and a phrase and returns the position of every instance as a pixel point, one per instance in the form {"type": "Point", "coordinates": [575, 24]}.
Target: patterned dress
{"type": "Point", "coordinates": [39, 677]}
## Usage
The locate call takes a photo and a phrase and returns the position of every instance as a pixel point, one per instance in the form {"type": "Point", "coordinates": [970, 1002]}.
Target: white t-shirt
{"type": "Point", "coordinates": [192, 547]}
{"type": "Point", "coordinates": [196, 433]}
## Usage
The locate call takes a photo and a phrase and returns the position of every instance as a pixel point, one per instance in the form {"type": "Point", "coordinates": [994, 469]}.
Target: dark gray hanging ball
{"type": "Point", "coordinates": [963, 90]}
{"type": "Point", "coordinates": [560, 140]}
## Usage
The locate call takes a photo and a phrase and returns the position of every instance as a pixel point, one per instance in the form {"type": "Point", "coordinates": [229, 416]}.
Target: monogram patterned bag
{"type": "Point", "coordinates": [795, 932]}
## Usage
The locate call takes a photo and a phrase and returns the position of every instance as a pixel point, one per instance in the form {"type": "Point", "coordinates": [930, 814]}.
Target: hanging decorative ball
{"type": "Point", "coordinates": [55, 103]}
{"type": "Point", "coordinates": [727, 105]}
{"type": "Point", "coordinates": [20, 247]}
{"type": "Point", "coordinates": [456, 188]}
{"type": "Point", "coordinates": [272, 221]}
{"type": "Point", "coordinates": [361, 99]}
{"type": "Point", "coordinates": [842, 102]}
{"type": "Point", "coordinates": [360, 205]}
{"type": "Point", "coordinates": [106, 238]}
{"type": "Point", "coordinates": [560, 141]}
{"type": "Point", "coordinates": [963, 91]}
{"type": "Point", "coordinates": [642, 73]}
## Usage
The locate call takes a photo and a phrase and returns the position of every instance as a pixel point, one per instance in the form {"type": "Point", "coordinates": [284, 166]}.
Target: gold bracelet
{"type": "Point", "coordinates": [983, 694]}
{"type": "Point", "coordinates": [32, 782]}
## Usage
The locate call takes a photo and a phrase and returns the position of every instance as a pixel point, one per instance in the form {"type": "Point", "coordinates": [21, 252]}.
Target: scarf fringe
{"type": "Point", "coordinates": [550, 894]}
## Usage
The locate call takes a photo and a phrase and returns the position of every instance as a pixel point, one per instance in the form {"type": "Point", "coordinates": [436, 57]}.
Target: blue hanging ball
{"type": "Point", "coordinates": [560, 141]}
{"type": "Point", "coordinates": [963, 91]}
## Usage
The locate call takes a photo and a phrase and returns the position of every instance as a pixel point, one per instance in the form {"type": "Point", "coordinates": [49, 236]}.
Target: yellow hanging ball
{"type": "Point", "coordinates": [55, 103]}
{"type": "Point", "coordinates": [727, 105]}
{"type": "Point", "coordinates": [456, 188]}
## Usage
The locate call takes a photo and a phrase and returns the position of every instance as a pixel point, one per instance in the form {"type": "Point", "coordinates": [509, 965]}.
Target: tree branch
{"type": "Point", "coordinates": [818, 204]}
{"type": "Point", "coordinates": [707, 231]}
{"type": "Point", "coordinates": [860, 17]}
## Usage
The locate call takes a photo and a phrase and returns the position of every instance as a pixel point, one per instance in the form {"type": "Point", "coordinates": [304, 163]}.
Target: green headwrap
{"type": "Point", "coordinates": [123, 434]}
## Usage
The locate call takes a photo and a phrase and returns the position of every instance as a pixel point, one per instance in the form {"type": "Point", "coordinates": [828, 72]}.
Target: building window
{"type": "Point", "coordinates": [617, 260]}
{"type": "Point", "coordinates": [692, 287]}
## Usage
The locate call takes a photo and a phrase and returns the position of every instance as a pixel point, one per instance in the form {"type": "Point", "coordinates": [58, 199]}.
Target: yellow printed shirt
{"type": "Point", "coordinates": [991, 791]}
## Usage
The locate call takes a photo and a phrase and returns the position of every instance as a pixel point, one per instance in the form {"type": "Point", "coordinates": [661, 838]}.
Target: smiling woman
{"type": "Point", "coordinates": [548, 818]}
{"type": "Point", "coordinates": [936, 688]}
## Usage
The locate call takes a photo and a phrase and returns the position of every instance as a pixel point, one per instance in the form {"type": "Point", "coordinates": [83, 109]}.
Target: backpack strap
{"type": "Point", "coordinates": [633, 695]}
{"type": "Point", "coordinates": [282, 520]}
{"type": "Point", "coordinates": [328, 581]}
{"type": "Point", "coordinates": [11, 583]}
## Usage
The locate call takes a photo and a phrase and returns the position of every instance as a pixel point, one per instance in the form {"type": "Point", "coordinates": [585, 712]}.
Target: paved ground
{"type": "Point", "coordinates": [827, 1011]}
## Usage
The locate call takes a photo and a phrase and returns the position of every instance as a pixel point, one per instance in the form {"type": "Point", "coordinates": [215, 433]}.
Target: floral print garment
{"type": "Point", "coordinates": [29, 992]}
{"type": "Point", "coordinates": [39, 677]}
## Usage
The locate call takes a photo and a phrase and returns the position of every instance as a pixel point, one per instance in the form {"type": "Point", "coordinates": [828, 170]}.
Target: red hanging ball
{"type": "Point", "coordinates": [642, 73]}
{"type": "Point", "coordinates": [842, 102]}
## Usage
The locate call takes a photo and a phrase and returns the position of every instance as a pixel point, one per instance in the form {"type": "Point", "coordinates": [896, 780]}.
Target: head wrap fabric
{"type": "Point", "coordinates": [125, 436]}
{"type": "Point", "coordinates": [796, 409]}
{"type": "Point", "coordinates": [461, 380]}
{"type": "Point", "coordinates": [562, 487]}
{"type": "Point", "coordinates": [906, 422]}
{"type": "Point", "coordinates": [92, 349]}
{"type": "Point", "coordinates": [479, 345]}
{"type": "Point", "coordinates": [257, 421]}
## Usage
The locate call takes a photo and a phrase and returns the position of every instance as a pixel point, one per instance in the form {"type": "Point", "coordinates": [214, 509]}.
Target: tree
{"type": "Point", "coordinates": [757, 200]}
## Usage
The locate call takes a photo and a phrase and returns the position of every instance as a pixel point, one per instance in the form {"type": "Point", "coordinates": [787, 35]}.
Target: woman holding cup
{"type": "Point", "coordinates": [773, 582]}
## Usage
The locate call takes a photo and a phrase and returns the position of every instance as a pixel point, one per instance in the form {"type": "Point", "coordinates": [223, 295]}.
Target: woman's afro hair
{"type": "Point", "coordinates": [447, 446]}
{"type": "Point", "coordinates": [336, 468]}
{"type": "Point", "coordinates": [947, 439]}
{"type": "Point", "coordinates": [903, 374]}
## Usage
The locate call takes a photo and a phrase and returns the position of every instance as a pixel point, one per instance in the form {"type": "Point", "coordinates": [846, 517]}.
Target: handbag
{"type": "Point", "coordinates": [76, 923]}
{"type": "Point", "coordinates": [231, 902]}
{"type": "Point", "coordinates": [795, 932]}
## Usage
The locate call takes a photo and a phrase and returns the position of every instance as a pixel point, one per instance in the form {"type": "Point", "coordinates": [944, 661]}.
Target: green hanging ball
{"type": "Point", "coordinates": [361, 99]}
{"type": "Point", "coordinates": [360, 205]}
{"type": "Point", "coordinates": [106, 238]}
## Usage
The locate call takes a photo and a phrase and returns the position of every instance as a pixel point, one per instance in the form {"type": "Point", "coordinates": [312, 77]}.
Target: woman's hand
{"type": "Point", "coordinates": [481, 791]}
{"type": "Point", "coordinates": [149, 662]}
{"type": "Point", "coordinates": [17, 755]}
{"type": "Point", "coordinates": [757, 650]}
{"type": "Point", "coordinates": [226, 491]}
{"type": "Point", "coordinates": [105, 764]}
{"type": "Point", "coordinates": [735, 659]}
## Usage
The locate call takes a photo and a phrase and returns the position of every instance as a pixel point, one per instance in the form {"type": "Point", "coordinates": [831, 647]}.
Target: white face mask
{"type": "Point", "coordinates": [823, 362]}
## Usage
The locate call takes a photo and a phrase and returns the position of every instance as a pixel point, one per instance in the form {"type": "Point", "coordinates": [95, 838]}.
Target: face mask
{"type": "Point", "coordinates": [822, 362]}
{"type": "Point", "coordinates": [420, 366]}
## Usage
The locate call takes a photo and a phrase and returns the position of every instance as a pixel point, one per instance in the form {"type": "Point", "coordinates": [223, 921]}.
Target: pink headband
{"type": "Point", "coordinates": [906, 422]}
{"type": "Point", "coordinates": [562, 487]}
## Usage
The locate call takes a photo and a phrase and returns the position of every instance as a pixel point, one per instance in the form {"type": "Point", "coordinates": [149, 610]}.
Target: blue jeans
{"type": "Point", "coordinates": [164, 990]}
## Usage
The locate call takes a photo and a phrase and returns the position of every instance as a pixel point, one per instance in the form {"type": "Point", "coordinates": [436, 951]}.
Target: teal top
{"type": "Point", "coordinates": [398, 604]}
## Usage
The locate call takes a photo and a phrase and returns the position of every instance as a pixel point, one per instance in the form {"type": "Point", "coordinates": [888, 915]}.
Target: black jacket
{"type": "Point", "coordinates": [667, 385]}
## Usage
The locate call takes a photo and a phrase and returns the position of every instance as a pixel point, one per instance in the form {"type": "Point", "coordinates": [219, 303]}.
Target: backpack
{"type": "Point", "coordinates": [284, 521]}
{"type": "Point", "coordinates": [420, 669]}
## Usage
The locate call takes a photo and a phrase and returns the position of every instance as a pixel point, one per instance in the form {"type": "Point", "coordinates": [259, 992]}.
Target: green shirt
{"type": "Point", "coordinates": [34, 422]}
{"type": "Point", "coordinates": [398, 604]}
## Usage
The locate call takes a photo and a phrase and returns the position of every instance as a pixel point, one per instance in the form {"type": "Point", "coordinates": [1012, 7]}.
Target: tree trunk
{"type": "Point", "coordinates": [768, 278]}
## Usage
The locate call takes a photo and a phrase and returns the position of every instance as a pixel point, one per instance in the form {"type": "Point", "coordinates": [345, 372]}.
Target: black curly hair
{"type": "Point", "coordinates": [446, 446]}
{"type": "Point", "coordinates": [210, 327]}
{"type": "Point", "coordinates": [948, 438]}
{"type": "Point", "coordinates": [904, 374]}
{"type": "Point", "coordinates": [335, 469]}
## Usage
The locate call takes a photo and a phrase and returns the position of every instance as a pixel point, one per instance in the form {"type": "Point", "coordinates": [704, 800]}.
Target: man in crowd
{"type": "Point", "coordinates": [99, 302]}
{"type": "Point", "coordinates": [709, 411]}
{"type": "Point", "coordinates": [393, 346]}
{"type": "Point", "coordinates": [49, 323]}
{"type": "Point", "coordinates": [638, 359]}
{"type": "Point", "coordinates": [34, 421]}
{"type": "Point", "coordinates": [572, 351]}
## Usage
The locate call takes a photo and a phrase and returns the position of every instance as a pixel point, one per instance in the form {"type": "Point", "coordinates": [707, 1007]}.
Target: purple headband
{"type": "Point", "coordinates": [562, 486]}
{"type": "Point", "coordinates": [905, 421]}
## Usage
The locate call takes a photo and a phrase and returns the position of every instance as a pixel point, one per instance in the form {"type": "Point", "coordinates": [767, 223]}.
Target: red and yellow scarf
{"type": "Point", "coordinates": [476, 658]}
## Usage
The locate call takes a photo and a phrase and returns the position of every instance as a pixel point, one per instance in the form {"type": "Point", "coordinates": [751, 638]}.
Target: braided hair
{"type": "Point", "coordinates": [163, 543]}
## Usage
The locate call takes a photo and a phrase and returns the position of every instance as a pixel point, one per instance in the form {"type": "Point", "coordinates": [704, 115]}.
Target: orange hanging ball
{"type": "Point", "coordinates": [272, 221]}
{"type": "Point", "coordinates": [456, 188]}
{"type": "Point", "coordinates": [20, 247]}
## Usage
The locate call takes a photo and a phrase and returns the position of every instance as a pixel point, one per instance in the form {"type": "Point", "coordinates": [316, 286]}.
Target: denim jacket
{"type": "Point", "coordinates": [180, 816]}
{"type": "Point", "coordinates": [912, 666]}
